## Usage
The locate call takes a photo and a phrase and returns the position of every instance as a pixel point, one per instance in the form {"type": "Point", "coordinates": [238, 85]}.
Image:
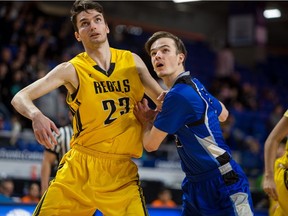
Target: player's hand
{"type": "Point", "coordinates": [160, 98]}
{"type": "Point", "coordinates": [270, 188]}
{"type": "Point", "coordinates": [143, 112]}
{"type": "Point", "coordinates": [43, 129]}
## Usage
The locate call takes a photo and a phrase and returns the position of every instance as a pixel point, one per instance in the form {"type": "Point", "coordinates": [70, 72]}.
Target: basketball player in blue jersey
{"type": "Point", "coordinates": [103, 85]}
{"type": "Point", "coordinates": [214, 183]}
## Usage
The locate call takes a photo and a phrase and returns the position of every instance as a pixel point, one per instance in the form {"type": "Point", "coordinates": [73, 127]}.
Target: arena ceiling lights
{"type": "Point", "coordinates": [183, 1]}
{"type": "Point", "coordinates": [272, 13]}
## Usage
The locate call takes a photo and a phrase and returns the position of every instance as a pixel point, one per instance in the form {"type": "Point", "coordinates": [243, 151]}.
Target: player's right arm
{"type": "Point", "coordinates": [48, 161]}
{"type": "Point", "coordinates": [63, 74]}
{"type": "Point", "coordinates": [270, 151]}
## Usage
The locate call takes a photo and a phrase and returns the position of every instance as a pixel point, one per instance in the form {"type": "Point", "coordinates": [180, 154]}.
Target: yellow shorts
{"type": "Point", "coordinates": [282, 190]}
{"type": "Point", "coordinates": [273, 205]}
{"type": "Point", "coordinates": [88, 180]}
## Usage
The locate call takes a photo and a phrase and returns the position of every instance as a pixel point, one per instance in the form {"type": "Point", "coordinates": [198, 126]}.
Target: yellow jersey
{"type": "Point", "coordinates": [102, 106]}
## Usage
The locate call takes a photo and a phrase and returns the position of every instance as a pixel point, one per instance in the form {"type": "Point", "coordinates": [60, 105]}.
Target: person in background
{"type": "Point", "coordinates": [6, 191]}
{"type": "Point", "coordinates": [275, 182]}
{"type": "Point", "coordinates": [225, 62]}
{"type": "Point", "coordinates": [52, 157]}
{"type": "Point", "coordinates": [15, 130]}
{"type": "Point", "coordinates": [214, 183]}
{"type": "Point", "coordinates": [33, 195]}
{"type": "Point", "coordinates": [103, 85]}
{"type": "Point", "coordinates": [164, 200]}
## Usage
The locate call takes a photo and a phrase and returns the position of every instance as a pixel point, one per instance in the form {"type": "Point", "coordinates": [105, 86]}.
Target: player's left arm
{"type": "Point", "coordinates": [152, 87]}
{"type": "Point", "coordinates": [219, 107]}
{"type": "Point", "coordinates": [224, 113]}
{"type": "Point", "coordinates": [152, 138]}
{"type": "Point", "coordinates": [270, 154]}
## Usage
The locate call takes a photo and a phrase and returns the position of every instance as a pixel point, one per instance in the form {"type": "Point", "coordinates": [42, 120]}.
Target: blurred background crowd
{"type": "Point", "coordinates": [33, 41]}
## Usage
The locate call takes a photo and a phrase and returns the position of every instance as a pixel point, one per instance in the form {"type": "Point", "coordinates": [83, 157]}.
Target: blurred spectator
{"type": "Point", "coordinates": [164, 200]}
{"type": "Point", "coordinates": [275, 116]}
{"type": "Point", "coordinates": [228, 89]}
{"type": "Point", "coordinates": [5, 83]}
{"type": "Point", "coordinates": [17, 82]}
{"type": "Point", "coordinates": [225, 62]}
{"type": "Point", "coordinates": [16, 129]}
{"type": "Point", "coordinates": [5, 124]}
{"type": "Point", "coordinates": [252, 157]}
{"type": "Point", "coordinates": [6, 191]}
{"type": "Point", "coordinates": [250, 96]}
{"type": "Point", "coordinates": [32, 67]}
{"type": "Point", "coordinates": [33, 195]}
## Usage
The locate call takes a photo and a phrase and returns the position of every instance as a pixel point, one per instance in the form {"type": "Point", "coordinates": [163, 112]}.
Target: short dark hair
{"type": "Point", "coordinates": [180, 47]}
{"type": "Point", "coordinates": [84, 5]}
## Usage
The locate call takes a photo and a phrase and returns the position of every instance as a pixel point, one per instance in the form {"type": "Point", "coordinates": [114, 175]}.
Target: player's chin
{"type": "Point", "coordinates": [161, 74]}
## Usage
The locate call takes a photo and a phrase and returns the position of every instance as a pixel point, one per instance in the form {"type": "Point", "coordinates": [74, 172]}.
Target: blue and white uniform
{"type": "Point", "coordinates": [214, 184]}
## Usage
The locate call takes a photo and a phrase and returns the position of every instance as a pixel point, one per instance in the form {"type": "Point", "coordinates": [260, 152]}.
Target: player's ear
{"type": "Point", "coordinates": [77, 36]}
{"type": "Point", "coordinates": [181, 58]}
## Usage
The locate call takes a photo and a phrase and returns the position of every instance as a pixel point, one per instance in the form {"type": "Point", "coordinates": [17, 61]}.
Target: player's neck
{"type": "Point", "coordinates": [101, 55]}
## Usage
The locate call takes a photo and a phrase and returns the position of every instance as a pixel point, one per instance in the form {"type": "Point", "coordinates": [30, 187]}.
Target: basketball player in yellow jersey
{"type": "Point", "coordinates": [276, 182]}
{"type": "Point", "coordinates": [103, 85]}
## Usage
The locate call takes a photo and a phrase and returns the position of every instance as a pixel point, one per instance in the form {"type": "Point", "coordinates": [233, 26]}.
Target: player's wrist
{"type": "Point", "coordinates": [269, 174]}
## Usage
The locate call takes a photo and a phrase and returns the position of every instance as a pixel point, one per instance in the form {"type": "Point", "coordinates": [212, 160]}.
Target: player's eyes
{"type": "Point", "coordinates": [165, 50]}
{"type": "Point", "coordinates": [84, 24]}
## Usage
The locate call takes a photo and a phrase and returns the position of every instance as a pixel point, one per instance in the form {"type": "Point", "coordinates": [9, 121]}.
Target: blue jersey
{"type": "Point", "coordinates": [191, 113]}
{"type": "Point", "coordinates": [214, 184]}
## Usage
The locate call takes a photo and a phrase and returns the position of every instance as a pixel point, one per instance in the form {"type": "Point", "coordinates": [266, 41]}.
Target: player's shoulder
{"type": "Point", "coordinates": [120, 51]}
{"type": "Point", "coordinates": [63, 69]}
{"type": "Point", "coordinates": [66, 66]}
{"type": "Point", "coordinates": [286, 113]}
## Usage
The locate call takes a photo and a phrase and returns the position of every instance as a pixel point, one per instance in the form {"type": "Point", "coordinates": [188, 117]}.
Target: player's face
{"type": "Point", "coordinates": [92, 28]}
{"type": "Point", "coordinates": [164, 57]}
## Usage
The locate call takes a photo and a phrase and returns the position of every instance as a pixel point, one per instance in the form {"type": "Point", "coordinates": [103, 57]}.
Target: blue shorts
{"type": "Point", "coordinates": [218, 194]}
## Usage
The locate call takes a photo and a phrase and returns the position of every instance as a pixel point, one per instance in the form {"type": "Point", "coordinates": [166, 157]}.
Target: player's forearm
{"type": "Point", "coordinates": [24, 105]}
{"type": "Point", "coordinates": [151, 140]}
{"type": "Point", "coordinates": [153, 92]}
{"type": "Point", "coordinates": [270, 150]}
{"type": "Point", "coordinates": [146, 136]}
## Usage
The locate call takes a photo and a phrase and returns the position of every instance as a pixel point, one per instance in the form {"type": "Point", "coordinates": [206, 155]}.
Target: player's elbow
{"type": "Point", "coordinates": [13, 101]}
{"type": "Point", "coordinates": [224, 115]}
{"type": "Point", "coordinates": [150, 147]}
{"type": "Point", "coordinates": [153, 140]}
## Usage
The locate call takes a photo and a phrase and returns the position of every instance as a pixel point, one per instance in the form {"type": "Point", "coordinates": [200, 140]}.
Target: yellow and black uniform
{"type": "Point", "coordinates": [106, 136]}
{"type": "Point", "coordinates": [103, 106]}
{"type": "Point", "coordinates": [281, 181]}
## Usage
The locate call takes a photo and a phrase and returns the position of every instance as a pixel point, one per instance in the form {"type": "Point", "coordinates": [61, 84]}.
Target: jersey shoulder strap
{"type": "Point", "coordinates": [187, 79]}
